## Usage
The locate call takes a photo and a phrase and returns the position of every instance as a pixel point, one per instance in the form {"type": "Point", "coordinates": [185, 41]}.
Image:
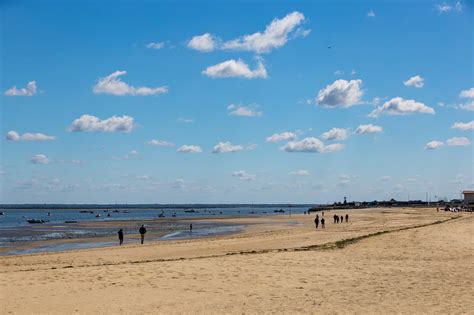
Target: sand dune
{"type": "Point", "coordinates": [272, 267]}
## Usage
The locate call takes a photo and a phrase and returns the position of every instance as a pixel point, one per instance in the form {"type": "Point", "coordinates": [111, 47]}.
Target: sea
{"type": "Point", "coordinates": [76, 227]}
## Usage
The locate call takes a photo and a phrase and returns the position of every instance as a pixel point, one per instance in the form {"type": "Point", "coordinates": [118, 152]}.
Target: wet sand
{"type": "Point", "coordinates": [382, 261]}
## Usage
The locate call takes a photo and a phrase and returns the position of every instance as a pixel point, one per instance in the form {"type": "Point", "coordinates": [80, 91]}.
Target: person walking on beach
{"type": "Point", "coordinates": [342, 219]}
{"type": "Point", "coordinates": [316, 221]}
{"type": "Point", "coordinates": [142, 231]}
{"type": "Point", "coordinates": [347, 218]}
{"type": "Point", "coordinates": [322, 223]}
{"type": "Point", "coordinates": [120, 235]}
{"type": "Point", "coordinates": [335, 218]}
{"type": "Point", "coordinates": [190, 227]}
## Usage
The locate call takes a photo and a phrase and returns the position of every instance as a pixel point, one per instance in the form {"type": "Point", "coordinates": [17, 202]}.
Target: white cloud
{"type": "Point", "coordinates": [91, 123]}
{"type": "Point", "coordinates": [284, 136]}
{"type": "Point", "coordinates": [446, 8]}
{"type": "Point", "coordinates": [463, 126]}
{"type": "Point", "coordinates": [186, 120]}
{"type": "Point", "coordinates": [244, 111]}
{"type": "Point", "coordinates": [415, 81]}
{"type": "Point", "coordinates": [371, 13]}
{"type": "Point", "coordinates": [189, 149]}
{"type": "Point", "coordinates": [400, 106]}
{"type": "Point", "coordinates": [335, 134]}
{"type": "Point", "coordinates": [468, 106]}
{"type": "Point", "coordinates": [311, 145]}
{"type": "Point", "coordinates": [433, 145]}
{"type": "Point", "coordinates": [14, 136]}
{"type": "Point", "coordinates": [299, 173]}
{"type": "Point", "coordinates": [134, 152]}
{"type": "Point", "coordinates": [226, 147]}
{"type": "Point", "coordinates": [112, 84]}
{"type": "Point", "coordinates": [467, 93]}
{"type": "Point", "coordinates": [340, 93]}
{"type": "Point", "coordinates": [236, 68]}
{"type": "Point", "coordinates": [243, 175]}
{"type": "Point", "coordinates": [161, 143]}
{"type": "Point", "coordinates": [143, 177]}
{"type": "Point", "coordinates": [30, 90]}
{"type": "Point", "coordinates": [458, 141]}
{"type": "Point", "coordinates": [275, 35]}
{"type": "Point", "coordinates": [204, 43]}
{"type": "Point", "coordinates": [385, 178]}
{"type": "Point", "coordinates": [39, 159]}
{"type": "Point", "coordinates": [155, 45]}
{"type": "Point", "coordinates": [368, 129]}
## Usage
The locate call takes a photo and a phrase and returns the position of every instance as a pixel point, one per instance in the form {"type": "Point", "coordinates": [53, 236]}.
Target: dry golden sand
{"type": "Point", "coordinates": [269, 268]}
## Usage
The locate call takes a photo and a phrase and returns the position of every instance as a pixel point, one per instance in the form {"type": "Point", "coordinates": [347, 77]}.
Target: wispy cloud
{"type": "Point", "coordinates": [30, 90]}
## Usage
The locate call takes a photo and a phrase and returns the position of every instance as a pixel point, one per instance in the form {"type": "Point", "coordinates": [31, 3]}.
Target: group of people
{"type": "Point", "coordinates": [321, 220]}
{"type": "Point", "coordinates": [141, 230]}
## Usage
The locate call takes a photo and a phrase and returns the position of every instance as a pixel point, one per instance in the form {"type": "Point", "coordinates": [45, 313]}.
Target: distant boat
{"type": "Point", "coordinates": [97, 215]}
{"type": "Point", "coordinates": [70, 221]}
{"type": "Point", "coordinates": [190, 211]}
{"type": "Point", "coordinates": [162, 214]}
{"type": "Point", "coordinates": [36, 221]}
{"type": "Point", "coordinates": [86, 211]}
{"type": "Point", "coordinates": [2, 213]}
{"type": "Point", "coordinates": [279, 211]}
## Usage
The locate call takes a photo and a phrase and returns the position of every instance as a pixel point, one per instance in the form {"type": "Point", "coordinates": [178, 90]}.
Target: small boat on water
{"type": "Point", "coordinates": [97, 215]}
{"type": "Point", "coordinates": [2, 213]}
{"type": "Point", "coordinates": [190, 211]}
{"type": "Point", "coordinates": [86, 211]}
{"type": "Point", "coordinates": [36, 221]}
{"type": "Point", "coordinates": [70, 221]}
{"type": "Point", "coordinates": [279, 211]}
{"type": "Point", "coordinates": [162, 214]}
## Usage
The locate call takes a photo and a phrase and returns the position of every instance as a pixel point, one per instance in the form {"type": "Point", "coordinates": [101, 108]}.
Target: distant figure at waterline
{"type": "Point", "coordinates": [316, 221]}
{"type": "Point", "coordinates": [322, 223]}
{"type": "Point", "coordinates": [120, 236]}
{"type": "Point", "coordinates": [142, 231]}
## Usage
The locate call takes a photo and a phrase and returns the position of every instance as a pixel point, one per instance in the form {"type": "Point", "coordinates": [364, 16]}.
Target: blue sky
{"type": "Point", "coordinates": [142, 102]}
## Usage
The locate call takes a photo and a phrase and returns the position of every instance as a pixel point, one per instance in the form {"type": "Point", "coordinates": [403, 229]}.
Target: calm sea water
{"type": "Point", "coordinates": [17, 236]}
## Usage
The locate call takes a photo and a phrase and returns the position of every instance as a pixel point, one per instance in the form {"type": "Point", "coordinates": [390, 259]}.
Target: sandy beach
{"type": "Point", "coordinates": [396, 260]}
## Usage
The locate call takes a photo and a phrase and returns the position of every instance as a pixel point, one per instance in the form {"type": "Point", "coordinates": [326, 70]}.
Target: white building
{"type": "Point", "coordinates": [468, 195]}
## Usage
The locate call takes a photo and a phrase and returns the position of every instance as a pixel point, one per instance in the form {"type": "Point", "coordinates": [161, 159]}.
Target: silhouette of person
{"type": "Point", "coordinates": [347, 218]}
{"type": "Point", "coordinates": [322, 223]}
{"type": "Point", "coordinates": [316, 221]}
{"type": "Point", "coordinates": [190, 227]}
{"type": "Point", "coordinates": [342, 219]}
{"type": "Point", "coordinates": [120, 236]}
{"type": "Point", "coordinates": [335, 218]}
{"type": "Point", "coordinates": [142, 231]}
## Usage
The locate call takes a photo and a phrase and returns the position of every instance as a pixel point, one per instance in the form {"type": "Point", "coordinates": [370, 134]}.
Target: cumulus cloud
{"type": "Point", "coordinates": [236, 69]}
{"type": "Point", "coordinates": [300, 173]}
{"type": "Point", "coordinates": [446, 8]}
{"type": "Point", "coordinates": [15, 136]}
{"type": "Point", "coordinates": [243, 175]}
{"type": "Point", "coordinates": [159, 143]}
{"type": "Point", "coordinates": [276, 35]}
{"type": "Point", "coordinates": [371, 13]}
{"type": "Point", "coordinates": [311, 145]}
{"type": "Point", "coordinates": [244, 111]}
{"type": "Point", "coordinates": [463, 126]}
{"type": "Point", "coordinates": [467, 93]}
{"type": "Point", "coordinates": [155, 45]}
{"type": "Point", "coordinates": [385, 178]}
{"type": "Point", "coordinates": [204, 43]}
{"type": "Point", "coordinates": [30, 90]}
{"type": "Point", "coordinates": [284, 136]}
{"type": "Point", "coordinates": [433, 145]}
{"type": "Point", "coordinates": [112, 84]}
{"type": "Point", "coordinates": [340, 93]}
{"type": "Point", "coordinates": [39, 159]}
{"type": "Point", "coordinates": [91, 123]}
{"type": "Point", "coordinates": [400, 106]}
{"type": "Point", "coordinates": [189, 149]}
{"type": "Point", "coordinates": [458, 141]}
{"type": "Point", "coordinates": [226, 147]}
{"type": "Point", "coordinates": [335, 134]}
{"type": "Point", "coordinates": [415, 81]}
{"type": "Point", "coordinates": [368, 129]}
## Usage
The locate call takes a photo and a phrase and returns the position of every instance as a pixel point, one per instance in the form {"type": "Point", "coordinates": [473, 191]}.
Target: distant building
{"type": "Point", "coordinates": [468, 195]}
